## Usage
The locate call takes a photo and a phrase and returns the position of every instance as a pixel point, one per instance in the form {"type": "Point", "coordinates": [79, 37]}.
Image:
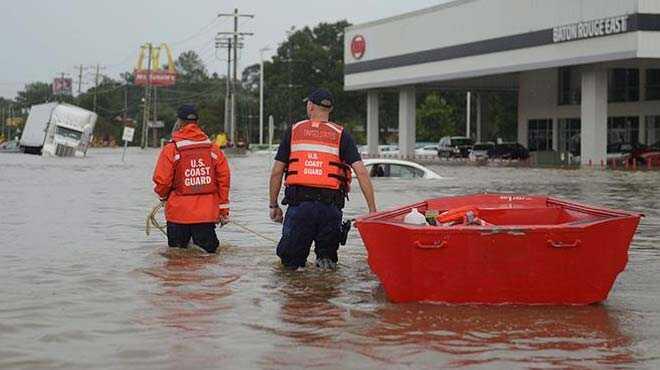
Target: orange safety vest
{"type": "Point", "coordinates": [314, 160]}
{"type": "Point", "coordinates": [194, 169]}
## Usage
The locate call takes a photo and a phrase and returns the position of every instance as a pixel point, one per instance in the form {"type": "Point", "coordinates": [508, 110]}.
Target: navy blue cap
{"type": "Point", "coordinates": [321, 97]}
{"type": "Point", "coordinates": [187, 112]}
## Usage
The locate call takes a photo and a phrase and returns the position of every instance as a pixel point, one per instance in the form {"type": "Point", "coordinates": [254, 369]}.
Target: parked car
{"type": "Point", "coordinates": [382, 149]}
{"type": "Point", "coordinates": [645, 154]}
{"type": "Point", "coordinates": [388, 149]}
{"type": "Point", "coordinates": [509, 151]}
{"type": "Point", "coordinates": [481, 151]}
{"type": "Point", "coordinates": [430, 149]}
{"type": "Point", "coordinates": [398, 168]}
{"type": "Point", "coordinates": [454, 146]}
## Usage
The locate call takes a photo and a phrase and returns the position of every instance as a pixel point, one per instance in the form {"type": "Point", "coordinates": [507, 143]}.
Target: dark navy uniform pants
{"type": "Point", "coordinates": [308, 222]}
{"type": "Point", "coordinates": [203, 235]}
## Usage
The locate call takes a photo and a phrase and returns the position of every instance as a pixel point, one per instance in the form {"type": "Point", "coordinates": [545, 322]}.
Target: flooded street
{"type": "Point", "coordinates": [83, 287]}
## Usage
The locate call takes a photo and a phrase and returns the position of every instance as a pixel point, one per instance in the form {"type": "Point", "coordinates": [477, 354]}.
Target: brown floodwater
{"type": "Point", "coordinates": [83, 287]}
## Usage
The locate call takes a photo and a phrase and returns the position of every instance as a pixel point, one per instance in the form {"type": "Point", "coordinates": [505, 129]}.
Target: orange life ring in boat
{"type": "Point", "coordinates": [457, 214]}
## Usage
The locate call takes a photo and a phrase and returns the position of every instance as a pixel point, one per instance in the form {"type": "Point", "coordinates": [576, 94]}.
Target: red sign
{"type": "Point", "coordinates": [358, 46]}
{"type": "Point", "coordinates": [62, 86]}
{"type": "Point", "coordinates": [158, 78]}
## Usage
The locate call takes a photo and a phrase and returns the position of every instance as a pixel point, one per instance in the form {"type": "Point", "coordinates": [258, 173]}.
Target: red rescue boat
{"type": "Point", "coordinates": [518, 250]}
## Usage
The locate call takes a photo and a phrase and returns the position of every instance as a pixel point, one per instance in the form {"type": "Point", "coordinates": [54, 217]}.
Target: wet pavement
{"type": "Point", "coordinates": [83, 287]}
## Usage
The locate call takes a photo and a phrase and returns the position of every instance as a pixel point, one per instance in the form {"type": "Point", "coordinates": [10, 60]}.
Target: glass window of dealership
{"type": "Point", "coordinates": [625, 85]}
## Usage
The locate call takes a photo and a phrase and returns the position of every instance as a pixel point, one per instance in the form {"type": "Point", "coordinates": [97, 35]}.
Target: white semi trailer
{"type": "Point", "coordinates": [58, 129]}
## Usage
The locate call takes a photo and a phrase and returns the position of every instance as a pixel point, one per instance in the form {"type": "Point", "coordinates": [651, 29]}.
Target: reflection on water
{"type": "Point", "coordinates": [189, 293]}
{"type": "Point", "coordinates": [84, 288]}
{"type": "Point", "coordinates": [532, 336]}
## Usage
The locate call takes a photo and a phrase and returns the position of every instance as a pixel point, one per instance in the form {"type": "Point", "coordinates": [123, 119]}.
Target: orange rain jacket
{"type": "Point", "coordinates": [191, 209]}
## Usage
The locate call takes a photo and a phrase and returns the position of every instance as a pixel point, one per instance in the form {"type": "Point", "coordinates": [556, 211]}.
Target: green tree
{"type": "Point", "coordinates": [503, 110]}
{"type": "Point", "coordinates": [435, 118]}
{"type": "Point", "coordinates": [34, 93]}
{"type": "Point", "coordinates": [191, 68]}
{"type": "Point", "coordinates": [310, 58]}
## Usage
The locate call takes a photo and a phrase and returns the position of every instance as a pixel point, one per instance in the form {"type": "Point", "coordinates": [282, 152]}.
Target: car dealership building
{"type": "Point", "coordinates": [587, 72]}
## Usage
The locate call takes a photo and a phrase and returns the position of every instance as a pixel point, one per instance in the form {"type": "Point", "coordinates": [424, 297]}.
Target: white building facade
{"type": "Point", "coordinates": [587, 72]}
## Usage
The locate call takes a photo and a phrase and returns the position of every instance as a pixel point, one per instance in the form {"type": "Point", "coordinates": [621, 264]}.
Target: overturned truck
{"type": "Point", "coordinates": [58, 129]}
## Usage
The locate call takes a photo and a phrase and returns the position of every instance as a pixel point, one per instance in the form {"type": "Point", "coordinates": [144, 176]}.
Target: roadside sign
{"type": "Point", "coordinates": [127, 136]}
{"type": "Point", "coordinates": [129, 132]}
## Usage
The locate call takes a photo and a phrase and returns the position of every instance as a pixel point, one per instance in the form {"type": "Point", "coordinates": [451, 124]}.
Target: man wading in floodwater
{"type": "Point", "coordinates": [193, 176]}
{"type": "Point", "coordinates": [317, 156]}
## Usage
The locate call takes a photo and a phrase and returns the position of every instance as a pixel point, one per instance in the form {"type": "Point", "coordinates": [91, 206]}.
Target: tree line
{"type": "Point", "coordinates": [308, 58]}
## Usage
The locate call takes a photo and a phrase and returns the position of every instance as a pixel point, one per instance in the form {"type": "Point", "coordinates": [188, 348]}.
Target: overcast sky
{"type": "Point", "coordinates": [42, 38]}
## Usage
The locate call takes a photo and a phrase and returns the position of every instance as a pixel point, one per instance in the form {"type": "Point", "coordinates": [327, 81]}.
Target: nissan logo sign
{"type": "Point", "coordinates": [358, 46]}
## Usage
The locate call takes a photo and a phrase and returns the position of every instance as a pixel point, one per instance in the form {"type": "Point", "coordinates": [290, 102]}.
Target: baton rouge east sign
{"type": "Point", "coordinates": [590, 29]}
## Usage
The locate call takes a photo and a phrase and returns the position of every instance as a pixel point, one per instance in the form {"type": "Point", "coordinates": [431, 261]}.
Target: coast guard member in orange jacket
{"type": "Point", "coordinates": [193, 176]}
{"type": "Point", "coordinates": [317, 157]}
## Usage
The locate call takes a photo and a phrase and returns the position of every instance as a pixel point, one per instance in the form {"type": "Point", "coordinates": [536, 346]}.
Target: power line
{"type": "Point", "coordinates": [199, 32]}
{"type": "Point", "coordinates": [179, 99]}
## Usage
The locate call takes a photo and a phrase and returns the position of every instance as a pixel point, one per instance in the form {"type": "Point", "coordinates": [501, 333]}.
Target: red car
{"type": "Point", "coordinates": [646, 155]}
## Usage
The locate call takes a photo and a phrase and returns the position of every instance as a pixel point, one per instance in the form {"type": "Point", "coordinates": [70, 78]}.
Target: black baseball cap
{"type": "Point", "coordinates": [187, 112]}
{"type": "Point", "coordinates": [320, 97]}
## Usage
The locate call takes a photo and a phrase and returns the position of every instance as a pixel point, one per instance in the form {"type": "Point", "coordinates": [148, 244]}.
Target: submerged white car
{"type": "Point", "coordinates": [391, 150]}
{"type": "Point", "coordinates": [430, 149]}
{"type": "Point", "coordinates": [381, 167]}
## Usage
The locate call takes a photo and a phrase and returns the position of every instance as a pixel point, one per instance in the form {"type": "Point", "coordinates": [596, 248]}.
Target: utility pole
{"type": "Point", "coordinates": [62, 84]}
{"type": "Point", "coordinates": [96, 83]}
{"type": "Point", "coordinates": [289, 62]}
{"type": "Point", "coordinates": [221, 42]}
{"type": "Point", "coordinates": [61, 92]}
{"type": "Point", "coordinates": [125, 115]}
{"type": "Point", "coordinates": [80, 76]}
{"type": "Point", "coordinates": [2, 124]}
{"type": "Point", "coordinates": [235, 34]}
{"type": "Point", "coordinates": [147, 96]}
{"type": "Point", "coordinates": [11, 117]}
{"type": "Point", "coordinates": [154, 129]}
{"type": "Point", "coordinates": [261, 95]}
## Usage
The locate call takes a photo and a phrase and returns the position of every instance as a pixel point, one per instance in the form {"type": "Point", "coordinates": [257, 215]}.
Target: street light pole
{"type": "Point", "coordinates": [261, 95]}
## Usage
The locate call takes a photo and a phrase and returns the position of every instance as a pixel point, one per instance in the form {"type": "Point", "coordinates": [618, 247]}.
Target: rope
{"type": "Point", "coordinates": [251, 231]}
{"type": "Point", "coordinates": [152, 222]}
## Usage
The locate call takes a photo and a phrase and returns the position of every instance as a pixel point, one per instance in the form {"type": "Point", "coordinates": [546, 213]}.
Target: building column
{"type": "Point", "coordinates": [523, 131]}
{"type": "Point", "coordinates": [407, 117]}
{"type": "Point", "coordinates": [594, 115]}
{"type": "Point", "coordinates": [555, 134]}
{"type": "Point", "coordinates": [523, 95]}
{"type": "Point", "coordinates": [479, 119]}
{"type": "Point", "coordinates": [651, 129]}
{"type": "Point", "coordinates": [372, 122]}
{"type": "Point", "coordinates": [642, 99]}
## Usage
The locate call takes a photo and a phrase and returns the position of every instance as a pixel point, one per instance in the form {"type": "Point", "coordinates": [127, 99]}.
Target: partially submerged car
{"type": "Point", "coordinates": [454, 147]}
{"type": "Point", "coordinates": [510, 151]}
{"type": "Point", "coordinates": [645, 155]}
{"type": "Point", "coordinates": [485, 151]}
{"type": "Point", "coordinates": [426, 149]}
{"type": "Point", "coordinates": [481, 151]}
{"type": "Point", "coordinates": [382, 167]}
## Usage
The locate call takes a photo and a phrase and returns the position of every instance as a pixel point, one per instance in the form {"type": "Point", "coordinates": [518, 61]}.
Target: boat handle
{"type": "Point", "coordinates": [514, 232]}
{"type": "Point", "coordinates": [556, 244]}
{"type": "Point", "coordinates": [435, 245]}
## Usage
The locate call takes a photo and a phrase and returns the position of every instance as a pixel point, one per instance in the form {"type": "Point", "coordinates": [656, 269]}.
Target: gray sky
{"type": "Point", "coordinates": [42, 38]}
